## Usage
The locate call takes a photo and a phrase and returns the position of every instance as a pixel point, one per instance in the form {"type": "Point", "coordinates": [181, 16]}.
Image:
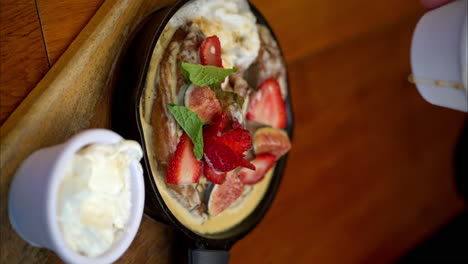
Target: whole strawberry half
{"type": "Point", "coordinates": [184, 168]}
{"type": "Point", "coordinates": [210, 52]}
{"type": "Point", "coordinates": [267, 105]}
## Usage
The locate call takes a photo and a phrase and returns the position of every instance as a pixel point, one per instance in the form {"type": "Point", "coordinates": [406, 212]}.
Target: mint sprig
{"type": "Point", "coordinates": [204, 75]}
{"type": "Point", "coordinates": [191, 124]}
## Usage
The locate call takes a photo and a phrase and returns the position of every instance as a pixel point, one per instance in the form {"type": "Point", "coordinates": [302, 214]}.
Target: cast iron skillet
{"type": "Point", "coordinates": [126, 121]}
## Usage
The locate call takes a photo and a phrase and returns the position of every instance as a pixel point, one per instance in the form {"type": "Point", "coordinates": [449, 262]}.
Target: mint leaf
{"type": "Point", "coordinates": [207, 75]}
{"type": "Point", "coordinates": [191, 124]}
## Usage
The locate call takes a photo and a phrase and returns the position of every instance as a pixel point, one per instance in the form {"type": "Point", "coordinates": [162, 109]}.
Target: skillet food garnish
{"type": "Point", "coordinates": [214, 113]}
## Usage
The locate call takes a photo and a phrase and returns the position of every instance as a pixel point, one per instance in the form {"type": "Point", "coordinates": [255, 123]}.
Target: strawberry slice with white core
{"type": "Point", "coordinates": [184, 168]}
{"type": "Point", "coordinates": [268, 140]}
{"type": "Point", "coordinates": [223, 195]}
{"type": "Point", "coordinates": [210, 52]}
{"type": "Point", "coordinates": [263, 163]}
{"type": "Point", "coordinates": [267, 105]}
{"type": "Point", "coordinates": [212, 175]}
{"type": "Point", "coordinates": [203, 101]}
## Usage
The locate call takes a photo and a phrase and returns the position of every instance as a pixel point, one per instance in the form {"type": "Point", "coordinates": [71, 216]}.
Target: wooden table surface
{"type": "Point", "coordinates": [370, 174]}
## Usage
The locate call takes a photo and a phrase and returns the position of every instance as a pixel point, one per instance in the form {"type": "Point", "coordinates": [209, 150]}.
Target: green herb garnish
{"type": "Point", "coordinates": [208, 75]}
{"type": "Point", "coordinates": [191, 124]}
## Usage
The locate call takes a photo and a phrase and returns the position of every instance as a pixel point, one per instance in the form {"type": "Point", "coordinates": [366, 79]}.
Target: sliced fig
{"type": "Point", "coordinates": [271, 140]}
{"type": "Point", "coordinates": [223, 195]}
{"type": "Point", "coordinates": [263, 163]}
{"type": "Point", "coordinates": [203, 101]}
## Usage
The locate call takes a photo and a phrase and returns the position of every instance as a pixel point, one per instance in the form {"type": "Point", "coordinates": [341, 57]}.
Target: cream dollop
{"type": "Point", "coordinates": [94, 196]}
{"type": "Point", "coordinates": [230, 20]}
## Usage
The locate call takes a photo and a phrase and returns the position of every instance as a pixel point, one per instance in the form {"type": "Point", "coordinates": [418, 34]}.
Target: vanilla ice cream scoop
{"type": "Point", "coordinates": [95, 197]}
{"type": "Point", "coordinates": [230, 20]}
{"type": "Point", "coordinates": [82, 199]}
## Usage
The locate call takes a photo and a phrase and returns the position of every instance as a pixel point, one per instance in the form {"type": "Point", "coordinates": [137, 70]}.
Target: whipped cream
{"type": "Point", "coordinates": [230, 20]}
{"type": "Point", "coordinates": [95, 197]}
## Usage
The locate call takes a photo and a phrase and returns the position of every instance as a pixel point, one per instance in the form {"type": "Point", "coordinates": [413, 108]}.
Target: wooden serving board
{"type": "Point", "coordinates": [73, 96]}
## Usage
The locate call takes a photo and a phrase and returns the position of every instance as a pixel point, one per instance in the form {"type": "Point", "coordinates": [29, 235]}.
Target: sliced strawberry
{"type": "Point", "coordinates": [221, 121]}
{"type": "Point", "coordinates": [263, 163]}
{"type": "Point", "coordinates": [203, 101]}
{"type": "Point", "coordinates": [222, 196]}
{"type": "Point", "coordinates": [212, 175]}
{"type": "Point", "coordinates": [269, 140]}
{"type": "Point", "coordinates": [210, 52]}
{"type": "Point", "coordinates": [225, 143]}
{"type": "Point", "coordinates": [184, 168]}
{"type": "Point", "coordinates": [221, 157]}
{"type": "Point", "coordinates": [267, 105]}
{"type": "Point", "coordinates": [237, 139]}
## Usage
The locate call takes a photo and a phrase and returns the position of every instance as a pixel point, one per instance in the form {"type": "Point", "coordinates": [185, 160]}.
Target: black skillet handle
{"type": "Point", "coordinates": [205, 256]}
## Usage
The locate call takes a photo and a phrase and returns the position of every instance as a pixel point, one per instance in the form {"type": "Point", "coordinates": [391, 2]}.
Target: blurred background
{"type": "Point", "coordinates": [370, 177]}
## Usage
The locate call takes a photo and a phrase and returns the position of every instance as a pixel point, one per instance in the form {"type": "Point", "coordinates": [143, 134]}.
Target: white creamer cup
{"type": "Point", "coordinates": [33, 198]}
{"type": "Point", "coordinates": [439, 56]}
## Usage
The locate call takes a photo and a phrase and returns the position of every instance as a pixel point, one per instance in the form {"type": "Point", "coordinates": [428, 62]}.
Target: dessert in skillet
{"type": "Point", "coordinates": [214, 113]}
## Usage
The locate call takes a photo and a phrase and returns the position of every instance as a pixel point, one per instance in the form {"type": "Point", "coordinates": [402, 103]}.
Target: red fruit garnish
{"type": "Point", "coordinates": [233, 135]}
{"type": "Point", "coordinates": [203, 101]}
{"type": "Point", "coordinates": [262, 163]}
{"type": "Point", "coordinates": [212, 175]}
{"type": "Point", "coordinates": [237, 139]}
{"type": "Point", "coordinates": [271, 141]}
{"type": "Point", "coordinates": [267, 105]}
{"type": "Point", "coordinates": [221, 121]}
{"type": "Point", "coordinates": [184, 168]}
{"type": "Point", "coordinates": [221, 157]}
{"type": "Point", "coordinates": [222, 196]}
{"type": "Point", "coordinates": [210, 52]}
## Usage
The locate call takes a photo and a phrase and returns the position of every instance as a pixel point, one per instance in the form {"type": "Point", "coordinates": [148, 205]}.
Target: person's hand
{"type": "Point", "coordinates": [434, 3]}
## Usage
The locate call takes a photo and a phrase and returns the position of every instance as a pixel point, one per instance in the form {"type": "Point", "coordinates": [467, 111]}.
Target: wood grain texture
{"type": "Point", "coordinates": [23, 59]}
{"type": "Point", "coordinates": [74, 95]}
{"type": "Point", "coordinates": [62, 20]}
{"type": "Point", "coordinates": [370, 173]}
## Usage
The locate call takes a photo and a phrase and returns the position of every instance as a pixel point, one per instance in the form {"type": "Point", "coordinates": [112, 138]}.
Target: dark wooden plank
{"type": "Point", "coordinates": [67, 101]}
{"type": "Point", "coordinates": [370, 173]}
{"type": "Point", "coordinates": [62, 20]}
{"type": "Point", "coordinates": [23, 59]}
